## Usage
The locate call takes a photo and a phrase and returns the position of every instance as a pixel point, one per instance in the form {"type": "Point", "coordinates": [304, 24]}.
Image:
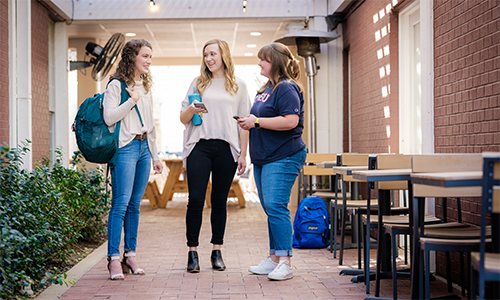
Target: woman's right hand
{"type": "Point", "coordinates": [195, 109]}
{"type": "Point", "coordinates": [188, 114]}
{"type": "Point", "coordinates": [134, 94]}
{"type": "Point", "coordinates": [248, 122]}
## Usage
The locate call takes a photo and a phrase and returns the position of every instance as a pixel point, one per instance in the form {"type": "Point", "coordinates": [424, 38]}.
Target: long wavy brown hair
{"type": "Point", "coordinates": [284, 66]}
{"type": "Point", "coordinates": [126, 67]}
{"type": "Point", "coordinates": [206, 75]}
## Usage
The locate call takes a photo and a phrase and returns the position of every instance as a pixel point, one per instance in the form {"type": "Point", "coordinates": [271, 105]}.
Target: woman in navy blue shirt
{"type": "Point", "coordinates": [277, 151]}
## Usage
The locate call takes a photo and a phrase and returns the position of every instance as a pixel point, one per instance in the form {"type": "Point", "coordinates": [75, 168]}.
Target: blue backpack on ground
{"type": "Point", "coordinates": [311, 224]}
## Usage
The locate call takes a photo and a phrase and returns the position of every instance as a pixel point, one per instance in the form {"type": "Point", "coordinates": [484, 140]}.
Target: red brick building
{"type": "Point", "coordinates": [40, 80]}
{"type": "Point", "coordinates": [34, 104]}
{"type": "Point", "coordinates": [465, 84]}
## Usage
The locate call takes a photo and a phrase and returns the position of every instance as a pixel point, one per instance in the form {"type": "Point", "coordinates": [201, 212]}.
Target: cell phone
{"type": "Point", "coordinates": [236, 117]}
{"type": "Point", "coordinates": [200, 105]}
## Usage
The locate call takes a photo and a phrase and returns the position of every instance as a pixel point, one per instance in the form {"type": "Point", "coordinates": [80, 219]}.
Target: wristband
{"type": "Point", "coordinates": [257, 125]}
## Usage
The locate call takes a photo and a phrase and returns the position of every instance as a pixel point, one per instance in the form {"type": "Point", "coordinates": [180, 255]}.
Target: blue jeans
{"type": "Point", "coordinates": [129, 179]}
{"type": "Point", "coordinates": [274, 183]}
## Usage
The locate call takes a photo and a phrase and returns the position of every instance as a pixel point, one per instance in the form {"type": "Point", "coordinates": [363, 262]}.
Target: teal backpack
{"type": "Point", "coordinates": [95, 141]}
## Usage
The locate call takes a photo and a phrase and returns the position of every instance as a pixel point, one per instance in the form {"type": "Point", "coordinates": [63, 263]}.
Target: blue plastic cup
{"type": "Point", "coordinates": [197, 119]}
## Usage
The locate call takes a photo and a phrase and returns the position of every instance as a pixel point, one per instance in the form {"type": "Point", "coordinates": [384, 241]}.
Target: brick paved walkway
{"type": "Point", "coordinates": [162, 252]}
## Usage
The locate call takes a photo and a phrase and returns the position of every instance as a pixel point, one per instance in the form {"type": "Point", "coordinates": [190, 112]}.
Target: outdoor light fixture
{"type": "Point", "coordinates": [307, 42]}
{"type": "Point", "coordinates": [244, 5]}
{"type": "Point", "coordinates": [152, 5]}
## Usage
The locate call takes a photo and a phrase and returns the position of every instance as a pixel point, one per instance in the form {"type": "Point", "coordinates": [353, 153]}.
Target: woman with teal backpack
{"type": "Point", "coordinates": [131, 165]}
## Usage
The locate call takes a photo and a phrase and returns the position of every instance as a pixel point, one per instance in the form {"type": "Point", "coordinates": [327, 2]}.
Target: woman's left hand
{"type": "Point", "coordinates": [157, 166]}
{"type": "Point", "coordinates": [242, 165]}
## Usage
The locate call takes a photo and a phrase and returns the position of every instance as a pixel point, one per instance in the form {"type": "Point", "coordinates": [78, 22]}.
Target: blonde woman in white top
{"type": "Point", "coordinates": [215, 149]}
{"type": "Point", "coordinates": [137, 147]}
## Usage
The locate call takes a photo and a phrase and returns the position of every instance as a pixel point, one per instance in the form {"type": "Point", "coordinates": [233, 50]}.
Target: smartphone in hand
{"type": "Point", "coordinates": [200, 105]}
{"type": "Point", "coordinates": [236, 117]}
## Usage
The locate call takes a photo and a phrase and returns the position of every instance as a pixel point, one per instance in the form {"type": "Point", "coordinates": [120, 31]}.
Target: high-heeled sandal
{"type": "Point", "coordinates": [118, 276]}
{"type": "Point", "coordinates": [127, 268]}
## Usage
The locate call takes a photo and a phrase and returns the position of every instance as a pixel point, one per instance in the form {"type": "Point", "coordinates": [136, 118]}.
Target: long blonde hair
{"type": "Point", "coordinates": [283, 65]}
{"type": "Point", "coordinates": [205, 78]}
{"type": "Point", "coordinates": [126, 67]}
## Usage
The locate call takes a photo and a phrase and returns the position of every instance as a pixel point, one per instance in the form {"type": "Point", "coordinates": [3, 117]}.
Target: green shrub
{"type": "Point", "coordinates": [42, 213]}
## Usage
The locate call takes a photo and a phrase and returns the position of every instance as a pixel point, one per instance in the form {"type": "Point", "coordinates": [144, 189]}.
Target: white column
{"type": "Point", "coordinates": [20, 75]}
{"type": "Point", "coordinates": [335, 93]}
{"type": "Point", "coordinates": [328, 86]}
{"type": "Point", "coordinates": [427, 80]}
{"type": "Point", "coordinates": [12, 74]}
{"type": "Point", "coordinates": [321, 91]}
{"type": "Point", "coordinates": [63, 120]}
{"type": "Point", "coordinates": [427, 63]}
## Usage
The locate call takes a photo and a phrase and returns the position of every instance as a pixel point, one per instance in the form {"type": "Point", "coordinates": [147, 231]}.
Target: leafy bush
{"type": "Point", "coordinates": [42, 213]}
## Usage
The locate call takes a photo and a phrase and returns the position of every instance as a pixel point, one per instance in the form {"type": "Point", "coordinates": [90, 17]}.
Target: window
{"type": "Point", "coordinates": [410, 116]}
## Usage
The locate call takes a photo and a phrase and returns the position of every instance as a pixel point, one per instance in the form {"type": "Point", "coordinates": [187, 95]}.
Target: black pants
{"type": "Point", "coordinates": [208, 156]}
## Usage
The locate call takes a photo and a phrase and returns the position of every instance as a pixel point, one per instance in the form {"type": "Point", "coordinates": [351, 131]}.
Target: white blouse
{"type": "Point", "coordinates": [131, 124]}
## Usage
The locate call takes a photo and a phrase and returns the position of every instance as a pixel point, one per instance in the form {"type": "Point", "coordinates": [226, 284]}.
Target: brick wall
{"type": "Point", "coordinates": [370, 36]}
{"type": "Point", "coordinates": [40, 80]}
{"type": "Point", "coordinates": [467, 81]}
{"type": "Point", "coordinates": [4, 72]}
{"type": "Point", "coordinates": [466, 89]}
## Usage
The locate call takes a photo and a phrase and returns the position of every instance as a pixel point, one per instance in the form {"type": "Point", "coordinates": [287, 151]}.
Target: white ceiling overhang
{"type": "Point", "coordinates": [190, 9]}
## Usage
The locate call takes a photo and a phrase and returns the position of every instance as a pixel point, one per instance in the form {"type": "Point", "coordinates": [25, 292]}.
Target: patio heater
{"type": "Point", "coordinates": [307, 42]}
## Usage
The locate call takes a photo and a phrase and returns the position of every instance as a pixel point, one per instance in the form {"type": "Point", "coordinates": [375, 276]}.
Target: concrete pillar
{"type": "Point", "coordinates": [20, 74]}
{"type": "Point", "coordinates": [62, 119]}
{"type": "Point", "coordinates": [328, 86]}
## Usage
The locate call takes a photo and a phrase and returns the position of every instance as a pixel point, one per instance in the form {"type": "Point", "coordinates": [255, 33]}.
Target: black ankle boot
{"type": "Point", "coordinates": [193, 262]}
{"type": "Point", "coordinates": [217, 262]}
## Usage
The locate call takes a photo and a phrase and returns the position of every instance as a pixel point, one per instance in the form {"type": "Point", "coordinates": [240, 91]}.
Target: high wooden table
{"type": "Point", "coordinates": [384, 207]}
{"type": "Point", "coordinates": [466, 180]}
{"type": "Point", "coordinates": [326, 164]}
{"type": "Point", "coordinates": [346, 173]}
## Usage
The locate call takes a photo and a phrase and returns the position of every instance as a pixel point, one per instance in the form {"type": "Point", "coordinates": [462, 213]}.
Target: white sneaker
{"type": "Point", "coordinates": [281, 272]}
{"type": "Point", "coordinates": [265, 267]}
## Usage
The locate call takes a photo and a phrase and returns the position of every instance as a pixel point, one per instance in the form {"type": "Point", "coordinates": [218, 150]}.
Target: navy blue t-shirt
{"type": "Point", "coordinates": [266, 145]}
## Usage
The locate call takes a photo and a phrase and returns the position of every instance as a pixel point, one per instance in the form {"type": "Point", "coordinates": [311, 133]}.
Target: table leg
{"type": "Point", "coordinates": [383, 242]}
{"type": "Point", "coordinates": [152, 193]}
{"type": "Point", "coordinates": [239, 193]}
{"type": "Point", "coordinates": [342, 224]}
{"type": "Point", "coordinates": [418, 213]}
{"type": "Point", "coordinates": [367, 241]}
{"type": "Point", "coordinates": [495, 233]}
{"type": "Point", "coordinates": [335, 220]}
{"type": "Point", "coordinates": [174, 173]}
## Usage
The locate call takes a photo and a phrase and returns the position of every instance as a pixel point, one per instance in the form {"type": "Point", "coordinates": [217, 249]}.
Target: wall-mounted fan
{"type": "Point", "coordinates": [102, 58]}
